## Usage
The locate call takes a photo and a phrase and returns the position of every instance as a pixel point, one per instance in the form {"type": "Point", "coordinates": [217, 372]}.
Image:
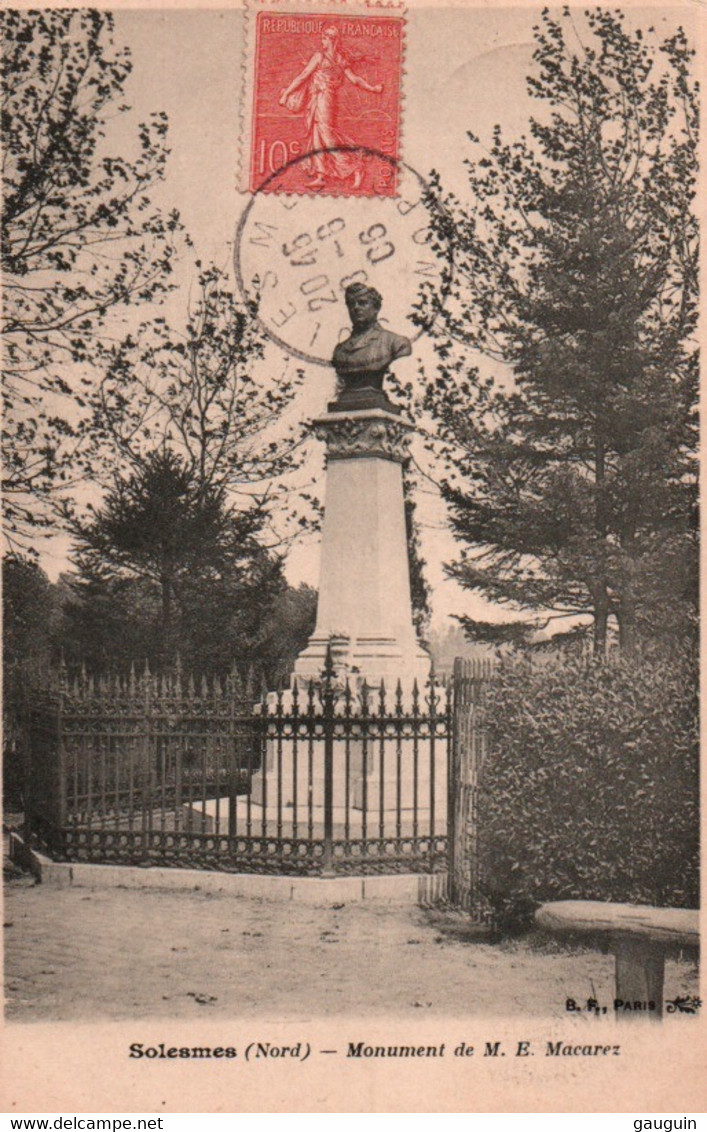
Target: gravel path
{"type": "Point", "coordinates": [85, 954]}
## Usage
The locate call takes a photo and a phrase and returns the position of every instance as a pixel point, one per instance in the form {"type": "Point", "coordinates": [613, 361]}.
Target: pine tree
{"type": "Point", "coordinates": [159, 526]}
{"type": "Point", "coordinates": [571, 471]}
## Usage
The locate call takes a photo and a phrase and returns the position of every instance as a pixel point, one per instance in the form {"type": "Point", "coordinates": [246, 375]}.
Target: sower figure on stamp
{"type": "Point", "coordinates": [316, 89]}
{"type": "Point", "coordinates": [362, 360]}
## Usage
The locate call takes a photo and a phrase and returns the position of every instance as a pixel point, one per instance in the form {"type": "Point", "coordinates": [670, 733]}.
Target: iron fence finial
{"type": "Point", "coordinates": [329, 670]}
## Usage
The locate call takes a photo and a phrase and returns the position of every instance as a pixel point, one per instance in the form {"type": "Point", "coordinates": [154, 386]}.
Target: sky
{"type": "Point", "coordinates": [464, 71]}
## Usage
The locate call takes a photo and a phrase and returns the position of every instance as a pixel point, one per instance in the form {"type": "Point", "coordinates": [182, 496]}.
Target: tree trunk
{"type": "Point", "coordinates": [166, 604]}
{"type": "Point", "coordinates": [601, 622]}
{"type": "Point", "coordinates": [166, 620]}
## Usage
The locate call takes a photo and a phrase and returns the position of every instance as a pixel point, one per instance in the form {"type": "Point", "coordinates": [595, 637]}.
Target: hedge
{"type": "Point", "coordinates": [589, 788]}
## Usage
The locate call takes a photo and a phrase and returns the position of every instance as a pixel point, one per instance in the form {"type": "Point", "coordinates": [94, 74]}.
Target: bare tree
{"type": "Point", "coordinates": [79, 239]}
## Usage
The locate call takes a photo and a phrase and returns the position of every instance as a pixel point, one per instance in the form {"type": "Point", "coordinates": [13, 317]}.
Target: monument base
{"type": "Point", "coordinates": [375, 659]}
{"type": "Point", "coordinates": [364, 610]}
{"type": "Point", "coordinates": [298, 789]}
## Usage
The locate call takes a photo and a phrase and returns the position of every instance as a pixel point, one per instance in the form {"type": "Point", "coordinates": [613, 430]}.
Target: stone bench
{"type": "Point", "coordinates": [638, 935]}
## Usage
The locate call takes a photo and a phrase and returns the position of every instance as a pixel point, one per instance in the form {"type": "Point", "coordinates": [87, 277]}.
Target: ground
{"type": "Point", "coordinates": [97, 954]}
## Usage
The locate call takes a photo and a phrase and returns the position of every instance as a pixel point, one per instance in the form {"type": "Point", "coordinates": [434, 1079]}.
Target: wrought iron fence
{"type": "Point", "coordinates": [325, 778]}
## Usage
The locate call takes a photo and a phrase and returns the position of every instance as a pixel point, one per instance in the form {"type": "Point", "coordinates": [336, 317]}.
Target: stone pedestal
{"type": "Point", "coordinates": [290, 786]}
{"type": "Point", "coordinates": [364, 608]}
{"type": "Point", "coordinates": [364, 617]}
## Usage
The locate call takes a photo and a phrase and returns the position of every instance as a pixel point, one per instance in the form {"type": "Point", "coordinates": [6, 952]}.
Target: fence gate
{"type": "Point", "coordinates": [468, 749]}
{"type": "Point", "coordinates": [324, 779]}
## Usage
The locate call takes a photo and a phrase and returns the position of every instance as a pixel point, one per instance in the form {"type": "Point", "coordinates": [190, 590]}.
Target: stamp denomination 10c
{"type": "Point", "coordinates": [324, 84]}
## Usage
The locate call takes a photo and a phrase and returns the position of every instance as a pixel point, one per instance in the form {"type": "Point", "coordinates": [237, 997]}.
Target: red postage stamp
{"type": "Point", "coordinates": [325, 103]}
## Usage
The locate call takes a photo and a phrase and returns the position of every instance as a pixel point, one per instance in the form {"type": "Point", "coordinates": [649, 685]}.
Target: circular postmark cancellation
{"type": "Point", "coordinates": [299, 253]}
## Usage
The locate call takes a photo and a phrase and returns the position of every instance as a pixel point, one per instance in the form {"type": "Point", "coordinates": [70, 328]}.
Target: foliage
{"type": "Point", "coordinates": [195, 553]}
{"type": "Point", "coordinates": [30, 615]}
{"type": "Point", "coordinates": [252, 620]}
{"type": "Point", "coordinates": [449, 642]}
{"type": "Point", "coordinates": [419, 588]}
{"type": "Point", "coordinates": [226, 615]}
{"type": "Point", "coordinates": [571, 470]}
{"type": "Point", "coordinates": [589, 788]}
{"type": "Point", "coordinates": [200, 390]}
{"type": "Point", "coordinates": [109, 622]}
{"type": "Point", "coordinates": [403, 395]}
{"type": "Point", "coordinates": [191, 417]}
{"type": "Point", "coordinates": [284, 633]}
{"type": "Point", "coordinates": [79, 239]}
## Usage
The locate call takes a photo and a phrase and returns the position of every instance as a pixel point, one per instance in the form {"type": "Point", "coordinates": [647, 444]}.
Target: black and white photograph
{"type": "Point", "coordinates": [350, 567]}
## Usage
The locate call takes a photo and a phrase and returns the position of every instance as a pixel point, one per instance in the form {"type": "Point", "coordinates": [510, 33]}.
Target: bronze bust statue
{"type": "Point", "coordinates": [362, 360]}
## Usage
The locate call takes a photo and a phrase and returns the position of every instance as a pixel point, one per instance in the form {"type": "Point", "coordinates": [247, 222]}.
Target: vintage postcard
{"type": "Point", "coordinates": [350, 573]}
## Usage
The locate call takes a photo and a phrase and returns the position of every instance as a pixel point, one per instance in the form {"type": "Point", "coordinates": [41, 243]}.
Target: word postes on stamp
{"type": "Point", "coordinates": [327, 85]}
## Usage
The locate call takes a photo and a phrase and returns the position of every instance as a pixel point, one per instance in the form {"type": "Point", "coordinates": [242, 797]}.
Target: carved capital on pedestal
{"type": "Point", "coordinates": [357, 434]}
